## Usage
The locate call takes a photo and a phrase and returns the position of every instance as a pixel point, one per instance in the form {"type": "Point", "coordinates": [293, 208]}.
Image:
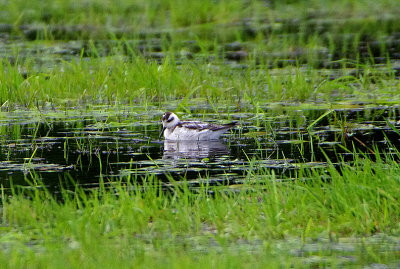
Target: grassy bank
{"type": "Point", "coordinates": [258, 225]}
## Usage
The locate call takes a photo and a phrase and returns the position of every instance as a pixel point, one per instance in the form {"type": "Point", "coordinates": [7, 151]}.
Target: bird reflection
{"type": "Point", "coordinates": [193, 149]}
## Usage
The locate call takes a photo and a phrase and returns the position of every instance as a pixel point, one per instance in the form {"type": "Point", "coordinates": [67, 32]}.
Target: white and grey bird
{"type": "Point", "coordinates": [175, 129]}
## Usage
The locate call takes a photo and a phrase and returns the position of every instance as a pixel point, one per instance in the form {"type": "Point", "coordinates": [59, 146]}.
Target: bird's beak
{"type": "Point", "coordinates": [163, 129]}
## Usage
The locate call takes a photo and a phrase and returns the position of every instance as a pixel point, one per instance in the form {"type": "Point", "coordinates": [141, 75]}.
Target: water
{"type": "Point", "coordinates": [60, 147]}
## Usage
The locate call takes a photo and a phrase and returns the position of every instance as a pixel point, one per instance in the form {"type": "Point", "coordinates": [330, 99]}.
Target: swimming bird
{"type": "Point", "coordinates": [175, 129]}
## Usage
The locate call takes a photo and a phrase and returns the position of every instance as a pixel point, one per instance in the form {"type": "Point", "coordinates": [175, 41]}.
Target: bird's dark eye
{"type": "Point", "coordinates": [170, 119]}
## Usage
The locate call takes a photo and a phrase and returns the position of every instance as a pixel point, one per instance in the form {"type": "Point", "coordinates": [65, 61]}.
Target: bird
{"type": "Point", "coordinates": [175, 129]}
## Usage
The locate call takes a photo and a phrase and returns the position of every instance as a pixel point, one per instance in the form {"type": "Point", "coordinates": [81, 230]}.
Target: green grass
{"type": "Point", "coordinates": [309, 33]}
{"type": "Point", "coordinates": [113, 81]}
{"type": "Point", "coordinates": [179, 13]}
{"type": "Point", "coordinates": [144, 226]}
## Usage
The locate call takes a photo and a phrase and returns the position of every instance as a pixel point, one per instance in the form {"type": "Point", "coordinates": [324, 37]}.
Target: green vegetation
{"type": "Point", "coordinates": [59, 55]}
{"type": "Point", "coordinates": [116, 82]}
{"type": "Point", "coordinates": [216, 227]}
{"type": "Point", "coordinates": [136, 51]}
{"type": "Point", "coordinates": [157, 51]}
{"type": "Point", "coordinates": [105, 16]}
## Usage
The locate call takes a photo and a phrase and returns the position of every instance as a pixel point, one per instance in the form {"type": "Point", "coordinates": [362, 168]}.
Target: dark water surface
{"type": "Point", "coordinates": [61, 147]}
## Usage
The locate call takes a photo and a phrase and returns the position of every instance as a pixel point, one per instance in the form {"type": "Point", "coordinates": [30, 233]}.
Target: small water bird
{"type": "Point", "coordinates": [175, 129]}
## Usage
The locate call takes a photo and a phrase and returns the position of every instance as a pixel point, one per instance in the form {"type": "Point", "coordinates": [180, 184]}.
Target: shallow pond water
{"type": "Point", "coordinates": [62, 147]}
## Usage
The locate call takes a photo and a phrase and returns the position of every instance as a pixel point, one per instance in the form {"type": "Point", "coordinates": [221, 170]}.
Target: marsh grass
{"type": "Point", "coordinates": [143, 224]}
{"type": "Point", "coordinates": [179, 14]}
{"type": "Point", "coordinates": [187, 55]}
{"type": "Point", "coordinates": [115, 81]}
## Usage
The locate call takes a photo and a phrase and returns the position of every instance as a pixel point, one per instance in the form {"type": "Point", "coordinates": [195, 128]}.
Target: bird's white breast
{"type": "Point", "coordinates": [183, 133]}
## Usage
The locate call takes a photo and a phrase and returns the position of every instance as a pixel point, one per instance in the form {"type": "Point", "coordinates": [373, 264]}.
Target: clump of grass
{"type": "Point", "coordinates": [142, 224]}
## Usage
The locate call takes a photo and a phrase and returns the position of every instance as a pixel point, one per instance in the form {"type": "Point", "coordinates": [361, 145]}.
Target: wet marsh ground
{"type": "Point", "coordinates": [308, 178]}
